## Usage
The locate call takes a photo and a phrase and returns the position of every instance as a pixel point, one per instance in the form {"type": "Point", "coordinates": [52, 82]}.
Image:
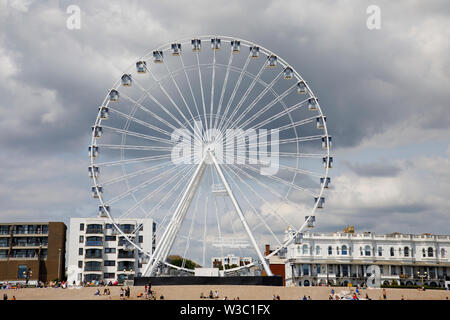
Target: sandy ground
{"type": "Point", "coordinates": [231, 292]}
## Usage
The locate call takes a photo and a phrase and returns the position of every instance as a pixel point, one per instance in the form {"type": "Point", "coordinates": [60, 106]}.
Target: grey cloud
{"type": "Point", "coordinates": [374, 169]}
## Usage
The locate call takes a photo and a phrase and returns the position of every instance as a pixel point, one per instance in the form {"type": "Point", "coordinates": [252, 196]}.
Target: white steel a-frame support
{"type": "Point", "coordinates": [167, 239]}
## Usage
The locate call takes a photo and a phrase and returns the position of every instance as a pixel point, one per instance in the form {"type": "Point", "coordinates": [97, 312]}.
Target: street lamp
{"type": "Point", "coordinates": [422, 276]}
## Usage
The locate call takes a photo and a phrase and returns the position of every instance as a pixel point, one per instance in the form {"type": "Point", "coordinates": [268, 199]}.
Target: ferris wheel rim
{"type": "Point", "coordinates": [263, 50]}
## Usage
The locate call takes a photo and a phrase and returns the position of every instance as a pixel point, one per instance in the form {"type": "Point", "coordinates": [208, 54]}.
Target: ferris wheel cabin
{"type": "Point", "coordinates": [196, 44]}
{"type": "Point", "coordinates": [157, 56]}
{"type": "Point", "coordinates": [254, 52]}
{"type": "Point", "coordinates": [235, 46]}
{"type": "Point", "coordinates": [126, 80]}
{"type": "Point", "coordinates": [93, 171]}
{"type": "Point", "coordinates": [215, 44]}
{"type": "Point", "coordinates": [176, 49]}
{"type": "Point", "coordinates": [141, 67]}
{"type": "Point", "coordinates": [301, 87]}
{"type": "Point", "coordinates": [114, 95]}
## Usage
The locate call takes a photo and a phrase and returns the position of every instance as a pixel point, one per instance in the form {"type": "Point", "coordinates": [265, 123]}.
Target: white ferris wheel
{"type": "Point", "coordinates": [219, 141]}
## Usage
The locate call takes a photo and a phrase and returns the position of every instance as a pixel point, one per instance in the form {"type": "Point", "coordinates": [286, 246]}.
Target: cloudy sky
{"type": "Point", "coordinates": [385, 93]}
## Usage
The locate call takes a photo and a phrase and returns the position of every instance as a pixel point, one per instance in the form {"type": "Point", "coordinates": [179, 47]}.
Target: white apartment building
{"type": "Point", "coordinates": [341, 258]}
{"type": "Point", "coordinates": [97, 251]}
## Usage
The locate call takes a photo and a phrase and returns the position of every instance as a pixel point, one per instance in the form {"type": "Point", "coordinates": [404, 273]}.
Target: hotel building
{"type": "Point", "coordinates": [32, 251]}
{"type": "Point", "coordinates": [344, 257]}
{"type": "Point", "coordinates": [97, 251]}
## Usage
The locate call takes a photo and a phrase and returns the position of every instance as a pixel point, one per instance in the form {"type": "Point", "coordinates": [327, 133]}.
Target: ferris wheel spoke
{"type": "Point", "coordinates": [287, 183]}
{"type": "Point", "coordinates": [267, 203]}
{"type": "Point", "coordinates": [292, 140]}
{"type": "Point", "coordinates": [139, 135]}
{"type": "Point", "coordinates": [233, 94]}
{"type": "Point", "coordinates": [136, 173]}
{"type": "Point", "coordinates": [255, 211]}
{"type": "Point", "coordinates": [178, 89]}
{"type": "Point", "coordinates": [205, 229]}
{"type": "Point", "coordinates": [213, 77]}
{"type": "Point", "coordinates": [271, 190]}
{"type": "Point", "coordinates": [224, 86]}
{"type": "Point", "coordinates": [190, 87]}
{"type": "Point", "coordinates": [279, 115]}
{"type": "Point", "coordinates": [268, 106]}
{"type": "Point", "coordinates": [184, 171]}
{"type": "Point", "coordinates": [154, 115]}
{"type": "Point", "coordinates": [170, 114]}
{"type": "Point", "coordinates": [201, 90]}
{"type": "Point", "coordinates": [160, 204]}
{"type": "Point", "coordinates": [140, 186]}
{"type": "Point", "coordinates": [191, 229]}
{"type": "Point", "coordinates": [133, 160]}
{"type": "Point", "coordinates": [131, 147]}
{"type": "Point", "coordinates": [171, 100]}
{"type": "Point", "coordinates": [245, 95]}
{"type": "Point", "coordinates": [267, 87]}
{"type": "Point", "coordinates": [141, 122]}
{"type": "Point", "coordinates": [299, 155]}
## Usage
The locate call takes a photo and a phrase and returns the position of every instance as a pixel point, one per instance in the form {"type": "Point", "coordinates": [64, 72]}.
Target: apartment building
{"type": "Point", "coordinates": [98, 251]}
{"type": "Point", "coordinates": [32, 251]}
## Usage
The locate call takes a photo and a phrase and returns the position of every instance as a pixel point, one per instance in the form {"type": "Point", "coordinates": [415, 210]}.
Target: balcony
{"type": "Point", "coordinates": [94, 230]}
{"type": "Point", "coordinates": [94, 243]}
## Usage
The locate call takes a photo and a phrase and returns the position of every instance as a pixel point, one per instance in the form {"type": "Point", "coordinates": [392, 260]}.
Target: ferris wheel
{"type": "Point", "coordinates": [219, 141]}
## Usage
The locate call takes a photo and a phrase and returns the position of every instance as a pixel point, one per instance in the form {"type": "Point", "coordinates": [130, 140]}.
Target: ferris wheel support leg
{"type": "Point", "coordinates": [241, 215]}
{"type": "Point", "coordinates": [168, 237]}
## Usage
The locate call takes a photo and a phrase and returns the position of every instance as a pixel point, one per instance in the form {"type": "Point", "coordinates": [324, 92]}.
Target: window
{"type": "Point", "coordinates": [345, 270]}
{"type": "Point", "coordinates": [380, 251]}
{"type": "Point", "coordinates": [392, 251]}
{"type": "Point", "coordinates": [337, 250]}
{"type": "Point", "coordinates": [305, 269]}
{"type": "Point", "coordinates": [442, 253]}
{"type": "Point", "coordinates": [81, 226]}
{"type": "Point", "coordinates": [110, 250]}
{"type": "Point", "coordinates": [110, 238]}
{"type": "Point", "coordinates": [81, 239]}
{"type": "Point", "coordinates": [330, 250]}
{"type": "Point", "coordinates": [430, 252]}
{"type": "Point", "coordinates": [424, 253]}
{"type": "Point", "coordinates": [305, 249]}
{"type": "Point", "coordinates": [109, 263]}
{"type": "Point", "coordinates": [80, 264]}
{"type": "Point", "coordinates": [108, 226]}
{"type": "Point", "coordinates": [344, 250]}
{"type": "Point", "coordinates": [80, 251]}
{"type": "Point", "coordinates": [141, 239]}
{"type": "Point", "coordinates": [22, 271]}
{"type": "Point", "coordinates": [367, 250]}
{"type": "Point", "coordinates": [109, 275]}
{"type": "Point", "coordinates": [317, 250]}
{"type": "Point", "coordinates": [406, 251]}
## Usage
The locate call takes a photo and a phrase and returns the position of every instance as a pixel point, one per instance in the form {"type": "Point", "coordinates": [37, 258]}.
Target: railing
{"type": "Point", "coordinates": [93, 243]}
{"type": "Point", "coordinates": [94, 230]}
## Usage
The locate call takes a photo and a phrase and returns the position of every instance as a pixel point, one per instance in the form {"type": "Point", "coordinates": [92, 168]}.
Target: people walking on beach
{"type": "Point", "coordinates": [5, 296]}
{"type": "Point", "coordinates": [121, 293]}
{"type": "Point", "coordinates": [384, 294]}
